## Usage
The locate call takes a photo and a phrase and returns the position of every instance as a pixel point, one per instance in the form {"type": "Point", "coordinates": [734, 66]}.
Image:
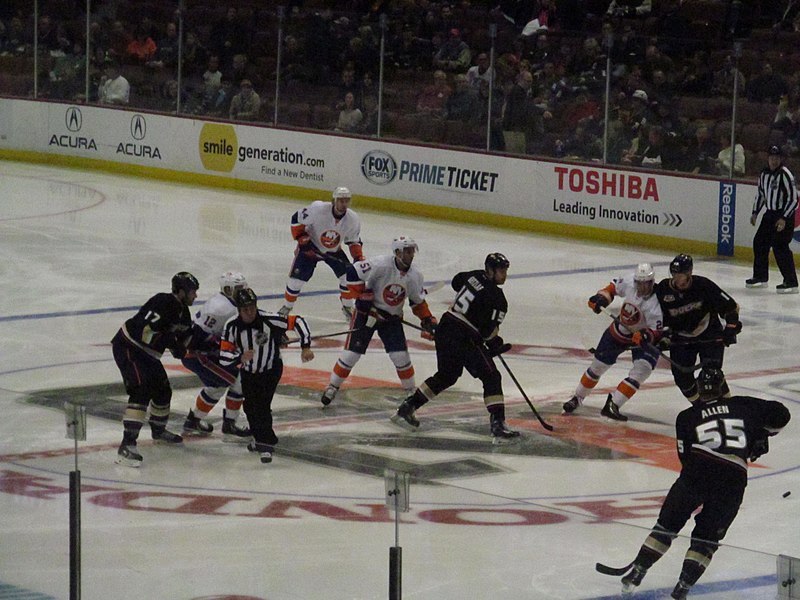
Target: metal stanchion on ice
{"type": "Point", "coordinates": [397, 488]}
{"type": "Point", "coordinates": [75, 415]}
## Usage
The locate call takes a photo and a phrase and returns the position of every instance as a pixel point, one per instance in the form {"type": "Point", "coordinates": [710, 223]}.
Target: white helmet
{"type": "Point", "coordinates": [341, 192]}
{"type": "Point", "coordinates": [644, 272]}
{"type": "Point", "coordinates": [231, 281]}
{"type": "Point", "coordinates": [404, 241]}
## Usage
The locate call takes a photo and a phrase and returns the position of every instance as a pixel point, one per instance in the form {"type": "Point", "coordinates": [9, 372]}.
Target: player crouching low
{"type": "Point", "coordinates": [639, 325]}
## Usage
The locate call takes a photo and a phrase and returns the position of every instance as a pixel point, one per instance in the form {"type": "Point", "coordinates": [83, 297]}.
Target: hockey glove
{"type": "Point", "coordinates": [759, 448]}
{"type": "Point", "coordinates": [304, 246]}
{"type": "Point", "coordinates": [643, 337]}
{"type": "Point", "coordinates": [730, 332]}
{"type": "Point", "coordinates": [598, 302]}
{"type": "Point", "coordinates": [429, 325]}
{"type": "Point", "coordinates": [496, 346]}
{"type": "Point", "coordinates": [664, 344]}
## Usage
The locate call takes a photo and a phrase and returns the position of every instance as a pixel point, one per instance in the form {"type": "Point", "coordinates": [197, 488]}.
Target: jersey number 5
{"type": "Point", "coordinates": [722, 433]}
{"type": "Point", "coordinates": [463, 300]}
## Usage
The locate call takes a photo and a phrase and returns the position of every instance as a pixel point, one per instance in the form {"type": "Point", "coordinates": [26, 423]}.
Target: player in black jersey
{"type": "Point", "coordinates": [716, 438]}
{"type": "Point", "coordinates": [692, 307]}
{"type": "Point", "coordinates": [164, 322]}
{"type": "Point", "coordinates": [467, 338]}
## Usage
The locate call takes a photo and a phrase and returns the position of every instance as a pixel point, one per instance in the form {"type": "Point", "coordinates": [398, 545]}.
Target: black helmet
{"type": "Point", "coordinates": [495, 260]}
{"type": "Point", "coordinates": [244, 297]}
{"type": "Point", "coordinates": [184, 281]}
{"type": "Point", "coordinates": [709, 383]}
{"type": "Point", "coordinates": [682, 263]}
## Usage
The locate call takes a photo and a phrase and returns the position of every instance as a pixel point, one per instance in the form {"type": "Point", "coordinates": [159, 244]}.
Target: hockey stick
{"type": "Point", "coordinates": [536, 414]}
{"type": "Point", "coordinates": [615, 571]}
{"type": "Point", "coordinates": [326, 335]}
{"type": "Point", "coordinates": [434, 287]}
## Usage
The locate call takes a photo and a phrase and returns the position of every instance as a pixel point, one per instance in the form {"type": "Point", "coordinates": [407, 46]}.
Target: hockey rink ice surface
{"type": "Point", "coordinates": [206, 520]}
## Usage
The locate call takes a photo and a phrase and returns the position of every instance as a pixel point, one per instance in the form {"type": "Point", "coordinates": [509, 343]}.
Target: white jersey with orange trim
{"type": "Point", "coordinates": [214, 313]}
{"type": "Point", "coordinates": [390, 285]}
{"type": "Point", "coordinates": [327, 233]}
{"type": "Point", "coordinates": [636, 312]}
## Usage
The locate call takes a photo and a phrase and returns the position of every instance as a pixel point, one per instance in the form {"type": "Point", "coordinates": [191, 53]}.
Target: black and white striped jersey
{"type": "Point", "coordinates": [263, 336]}
{"type": "Point", "coordinates": [777, 192]}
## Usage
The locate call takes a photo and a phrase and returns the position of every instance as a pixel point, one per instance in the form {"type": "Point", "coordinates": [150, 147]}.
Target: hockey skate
{"type": "Point", "coordinates": [264, 451]}
{"type": "Point", "coordinates": [284, 311]}
{"type": "Point", "coordinates": [328, 395]}
{"type": "Point", "coordinates": [611, 410]}
{"type": "Point", "coordinates": [633, 580]}
{"type": "Point", "coordinates": [404, 417]}
{"type": "Point", "coordinates": [680, 591]}
{"type": "Point", "coordinates": [234, 434]}
{"type": "Point", "coordinates": [196, 426]}
{"type": "Point", "coordinates": [787, 288]}
{"type": "Point", "coordinates": [162, 436]}
{"type": "Point", "coordinates": [347, 311]}
{"type": "Point", "coordinates": [128, 456]}
{"type": "Point", "coordinates": [500, 433]}
{"type": "Point", "coordinates": [571, 405]}
{"type": "Point", "coordinates": [755, 283]}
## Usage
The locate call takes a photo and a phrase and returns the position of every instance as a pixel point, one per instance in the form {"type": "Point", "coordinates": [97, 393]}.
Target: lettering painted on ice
{"type": "Point", "coordinates": [595, 511]}
{"type": "Point", "coordinates": [606, 183]}
{"type": "Point", "coordinates": [457, 178]}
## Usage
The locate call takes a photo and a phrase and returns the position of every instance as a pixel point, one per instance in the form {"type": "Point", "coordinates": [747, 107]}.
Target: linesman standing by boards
{"type": "Point", "coordinates": [692, 306]}
{"type": "Point", "coordinates": [252, 341]}
{"type": "Point", "coordinates": [716, 437]}
{"type": "Point", "coordinates": [777, 194]}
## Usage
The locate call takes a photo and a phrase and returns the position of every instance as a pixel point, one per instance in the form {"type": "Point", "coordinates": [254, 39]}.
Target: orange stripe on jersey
{"type": "Point", "coordinates": [227, 346]}
{"type": "Point", "coordinates": [298, 230]}
{"type": "Point", "coordinates": [421, 310]}
{"type": "Point", "coordinates": [588, 382]}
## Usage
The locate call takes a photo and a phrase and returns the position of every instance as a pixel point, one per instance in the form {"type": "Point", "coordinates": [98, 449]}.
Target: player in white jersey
{"type": "Point", "coordinates": [209, 322]}
{"type": "Point", "coordinates": [381, 285]}
{"type": "Point", "coordinates": [640, 324]}
{"type": "Point", "coordinates": [320, 229]}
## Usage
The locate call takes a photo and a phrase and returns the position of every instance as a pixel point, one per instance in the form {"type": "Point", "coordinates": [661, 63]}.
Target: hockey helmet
{"type": "Point", "coordinates": [230, 281]}
{"type": "Point", "coordinates": [496, 260]}
{"type": "Point", "coordinates": [244, 297]}
{"type": "Point", "coordinates": [644, 272]}
{"type": "Point", "coordinates": [184, 281]}
{"type": "Point", "coordinates": [402, 242]}
{"type": "Point", "coordinates": [682, 263]}
{"type": "Point", "coordinates": [341, 192]}
{"type": "Point", "coordinates": [709, 383]}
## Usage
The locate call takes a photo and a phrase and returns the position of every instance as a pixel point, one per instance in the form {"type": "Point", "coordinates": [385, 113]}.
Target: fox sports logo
{"type": "Point", "coordinates": [379, 167]}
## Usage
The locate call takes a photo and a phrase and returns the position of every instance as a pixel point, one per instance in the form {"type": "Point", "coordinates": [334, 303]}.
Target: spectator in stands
{"type": "Point", "coordinates": [620, 133]}
{"type": "Point", "coordinates": [432, 100]}
{"type": "Point", "coordinates": [241, 69]}
{"type": "Point", "coordinates": [656, 60]}
{"type": "Point", "coordinates": [723, 80]}
{"type": "Point", "coordinates": [652, 155]}
{"type": "Point", "coordinates": [194, 56]}
{"type": "Point", "coordinates": [479, 71]}
{"type": "Point", "coordinates": [463, 104]}
{"type": "Point", "coordinates": [496, 141]}
{"type": "Point", "coordinates": [542, 52]}
{"type": "Point", "coordinates": [228, 38]}
{"type": "Point", "coordinates": [168, 97]}
{"type": "Point", "coordinates": [293, 61]}
{"type": "Point", "coordinates": [640, 109]}
{"type": "Point", "coordinates": [347, 83]}
{"type": "Point", "coordinates": [522, 116]}
{"type": "Point", "coordinates": [220, 104]}
{"type": "Point", "coordinates": [725, 156]}
{"type": "Point", "coordinates": [14, 41]}
{"type": "Point", "coordinates": [166, 55]}
{"type": "Point", "coordinates": [141, 49]}
{"type": "Point", "coordinates": [366, 93]}
{"type": "Point", "coordinates": [350, 116]}
{"type": "Point", "coordinates": [696, 76]}
{"type": "Point", "coordinates": [767, 87]}
{"type": "Point", "coordinates": [630, 8]}
{"type": "Point", "coordinates": [661, 89]}
{"type": "Point", "coordinates": [212, 80]}
{"type": "Point", "coordinates": [702, 152]}
{"type": "Point", "coordinates": [410, 52]}
{"type": "Point", "coordinates": [68, 76]}
{"type": "Point", "coordinates": [118, 40]}
{"type": "Point", "coordinates": [359, 55]}
{"type": "Point", "coordinates": [52, 37]}
{"type": "Point", "coordinates": [632, 155]}
{"type": "Point", "coordinates": [245, 105]}
{"type": "Point", "coordinates": [113, 87]}
{"type": "Point", "coordinates": [454, 54]}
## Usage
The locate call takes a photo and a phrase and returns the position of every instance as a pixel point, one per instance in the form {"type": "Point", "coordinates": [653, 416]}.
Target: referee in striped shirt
{"type": "Point", "coordinates": [252, 340]}
{"type": "Point", "coordinates": [778, 194]}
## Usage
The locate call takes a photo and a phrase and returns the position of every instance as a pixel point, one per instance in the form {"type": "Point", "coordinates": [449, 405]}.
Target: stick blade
{"type": "Point", "coordinates": [614, 571]}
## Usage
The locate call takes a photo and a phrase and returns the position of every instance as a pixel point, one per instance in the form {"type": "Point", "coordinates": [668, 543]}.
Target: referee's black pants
{"type": "Point", "coordinates": [258, 390]}
{"type": "Point", "coordinates": [766, 237]}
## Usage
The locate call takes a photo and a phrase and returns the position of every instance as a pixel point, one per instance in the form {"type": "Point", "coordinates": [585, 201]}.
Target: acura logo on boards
{"type": "Point", "coordinates": [73, 119]}
{"type": "Point", "coordinates": [138, 127]}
